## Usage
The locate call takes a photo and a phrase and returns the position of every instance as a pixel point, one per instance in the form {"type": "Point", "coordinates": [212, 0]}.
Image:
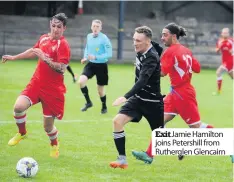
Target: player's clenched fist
{"type": "Point", "coordinates": [119, 101]}
{"type": "Point", "coordinates": [83, 60]}
{"type": "Point", "coordinates": [5, 58]}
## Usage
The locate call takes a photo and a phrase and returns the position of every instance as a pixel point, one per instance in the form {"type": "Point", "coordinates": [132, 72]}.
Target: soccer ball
{"type": "Point", "coordinates": [27, 167]}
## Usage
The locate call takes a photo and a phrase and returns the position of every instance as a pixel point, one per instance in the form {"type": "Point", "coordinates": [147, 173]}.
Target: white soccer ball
{"type": "Point", "coordinates": [27, 167]}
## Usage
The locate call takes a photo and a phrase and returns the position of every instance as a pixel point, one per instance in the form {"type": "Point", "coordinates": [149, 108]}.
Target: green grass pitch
{"type": "Point", "coordinates": [86, 142]}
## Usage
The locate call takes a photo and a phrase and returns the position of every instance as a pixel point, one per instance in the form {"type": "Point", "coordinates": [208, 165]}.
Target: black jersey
{"type": "Point", "coordinates": [147, 77]}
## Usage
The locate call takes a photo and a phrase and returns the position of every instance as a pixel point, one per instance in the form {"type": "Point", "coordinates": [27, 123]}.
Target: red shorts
{"type": "Point", "coordinates": [183, 101]}
{"type": "Point", "coordinates": [52, 102]}
{"type": "Point", "coordinates": [228, 65]}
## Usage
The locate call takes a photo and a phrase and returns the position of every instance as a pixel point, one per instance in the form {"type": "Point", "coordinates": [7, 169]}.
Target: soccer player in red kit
{"type": "Point", "coordinates": [178, 62]}
{"type": "Point", "coordinates": [47, 84]}
{"type": "Point", "coordinates": [225, 47]}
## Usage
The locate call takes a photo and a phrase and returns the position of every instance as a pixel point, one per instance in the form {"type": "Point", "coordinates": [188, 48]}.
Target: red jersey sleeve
{"type": "Point", "coordinates": [166, 62]}
{"type": "Point", "coordinates": [196, 67]}
{"type": "Point", "coordinates": [63, 54]}
{"type": "Point", "coordinates": [39, 40]}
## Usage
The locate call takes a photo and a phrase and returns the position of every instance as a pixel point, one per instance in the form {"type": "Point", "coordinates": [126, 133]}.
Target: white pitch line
{"type": "Point", "coordinates": [57, 121]}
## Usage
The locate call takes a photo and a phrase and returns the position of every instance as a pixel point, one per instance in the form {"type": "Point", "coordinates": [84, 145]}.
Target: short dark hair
{"type": "Point", "coordinates": [145, 30]}
{"type": "Point", "coordinates": [61, 17]}
{"type": "Point", "coordinates": [179, 31]}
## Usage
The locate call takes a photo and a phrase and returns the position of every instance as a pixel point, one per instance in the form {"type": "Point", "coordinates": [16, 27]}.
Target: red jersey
{"type": "Point", "coordinates": [59, 51]}
{"type": "Point", "coordinates": [179, 63]}
{"type": "Point", "coordinates": [226, 49]}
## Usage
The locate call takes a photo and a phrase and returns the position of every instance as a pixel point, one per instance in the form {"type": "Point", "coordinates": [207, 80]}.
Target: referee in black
{"type": "Point", "coordinates": [144, 99]}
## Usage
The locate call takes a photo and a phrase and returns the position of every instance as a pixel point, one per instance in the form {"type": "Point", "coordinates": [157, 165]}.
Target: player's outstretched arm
{"type": "Point", "coordinates": [59, 67]}
{"type": "Point", "coordinates": [141, 82]}
{"type": "Point", "coordinates": [86, 50]}
{"type": "Point", "coordinates": [28, 54]}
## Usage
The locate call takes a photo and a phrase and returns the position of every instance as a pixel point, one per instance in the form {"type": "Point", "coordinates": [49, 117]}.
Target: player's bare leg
{"type": "Point", "coordinates": [52, 132]}
{"type": "Point", "coordinates": [231, 74]}
{"type": "Point", "coordinates": [101, 92]}
{"type": "Point", "coordinates": [200, 125]}
{"type": "Point", "coordinates": [84, 89]}
{"type": "Point", "coordinates": [219, 74]}
{"type": "Point", "coordinates": [147, 156]}
{"type": "Point", "coordinates": [119, 137]}
{"type": "Point", "coordinates": [21, 105]}
{"type": "Point", "coordinates": [168, 117]}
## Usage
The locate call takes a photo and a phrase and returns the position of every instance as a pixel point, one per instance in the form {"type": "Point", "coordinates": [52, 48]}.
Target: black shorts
{"type": "Point", "coordinates": [98, 69]}
{"type": "Point", "coordinates": [152, 111]}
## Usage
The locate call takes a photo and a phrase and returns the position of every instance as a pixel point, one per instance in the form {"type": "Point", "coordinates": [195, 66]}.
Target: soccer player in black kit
{"type": "Point", "coordinates": [144, 99]}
